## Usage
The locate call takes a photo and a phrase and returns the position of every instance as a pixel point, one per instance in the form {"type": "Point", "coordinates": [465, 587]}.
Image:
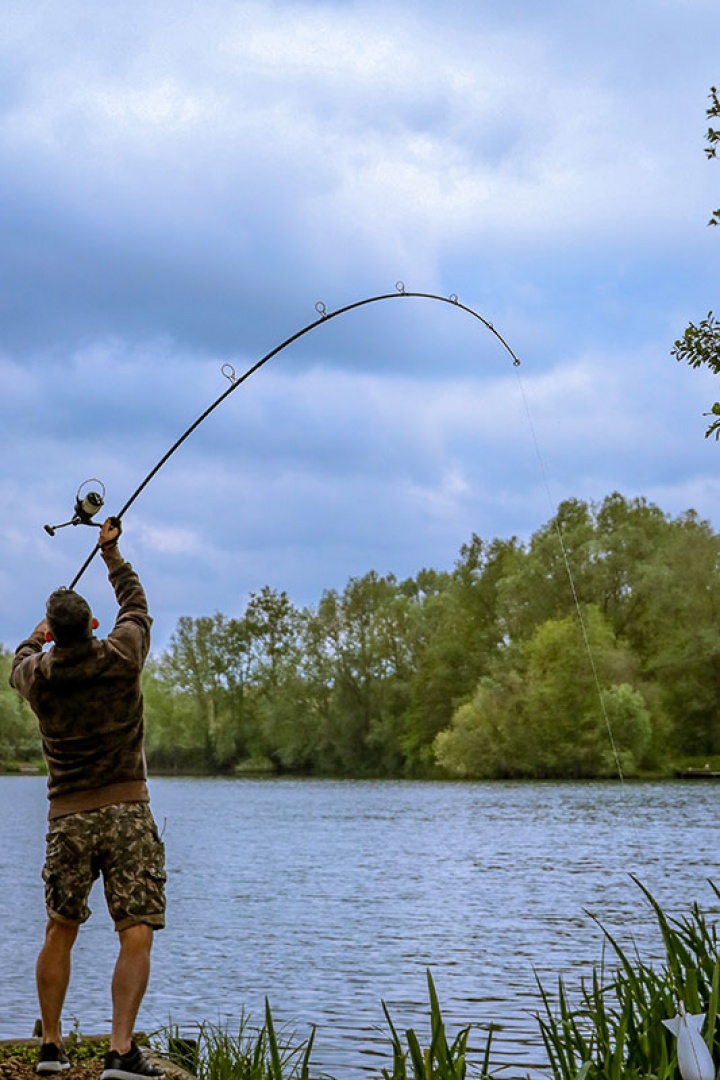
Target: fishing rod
{"type": "Point", "coordinates": [89, 503]}
{"type": "Point", "coordinates": [82, 514]}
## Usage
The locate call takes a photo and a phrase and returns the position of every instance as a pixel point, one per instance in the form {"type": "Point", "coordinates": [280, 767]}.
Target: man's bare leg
{"type": "Point", "coordinates": [130, 979]}
{"type": "Point", "coordinates": [52, 974]}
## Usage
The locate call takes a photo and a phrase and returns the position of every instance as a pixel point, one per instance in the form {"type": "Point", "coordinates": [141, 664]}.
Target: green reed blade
{"type": "Point", "coordinates": [416, 1055]}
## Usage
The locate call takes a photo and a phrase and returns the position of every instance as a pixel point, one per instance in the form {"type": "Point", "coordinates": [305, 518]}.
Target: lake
{"type": "Point", "coordinates": [331, 897]}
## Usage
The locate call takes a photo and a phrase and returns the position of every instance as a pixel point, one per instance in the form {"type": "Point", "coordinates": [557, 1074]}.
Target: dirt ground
{"type": "Point", "coordinates": [17, 1068]}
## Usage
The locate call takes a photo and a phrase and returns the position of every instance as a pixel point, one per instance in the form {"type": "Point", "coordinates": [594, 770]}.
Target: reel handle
{"type": "Point", "coordinates": [88, 503]}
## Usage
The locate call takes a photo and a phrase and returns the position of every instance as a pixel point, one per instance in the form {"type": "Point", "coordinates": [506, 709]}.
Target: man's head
{"type": "Point", "coordinates": [69, 617]}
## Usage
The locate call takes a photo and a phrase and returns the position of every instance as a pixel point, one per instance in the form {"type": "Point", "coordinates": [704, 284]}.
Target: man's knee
{"type": "Point", "coordinates": [61, 934]}
{"type": "Point", "coordinates": [136, 937]}
{"type": "Point", "coordinates": [58, 943]}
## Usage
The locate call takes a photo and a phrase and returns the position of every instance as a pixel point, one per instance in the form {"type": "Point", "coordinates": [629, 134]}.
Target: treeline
{"type": "Point", "coordinates": [592, 650]}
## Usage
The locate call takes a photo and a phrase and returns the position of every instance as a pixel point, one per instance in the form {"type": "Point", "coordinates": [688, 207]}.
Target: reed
{"type": "Point", "coordinates": [614, 1031]}
{"type": "Point", "coordinates": [441, 1060]}
{"type": "Point", "coordinates": [269, 1053]}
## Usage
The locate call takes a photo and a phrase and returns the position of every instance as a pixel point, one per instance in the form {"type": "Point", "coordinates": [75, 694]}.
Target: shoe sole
{"type": "Point", "coordinates": [46, 1068]}
{"type": "Point", "coordinates": [126, 1074]}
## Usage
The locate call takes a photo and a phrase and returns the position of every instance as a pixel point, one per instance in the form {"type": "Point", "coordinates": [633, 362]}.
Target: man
{"type": "Point", "coordinates": [86, 694]}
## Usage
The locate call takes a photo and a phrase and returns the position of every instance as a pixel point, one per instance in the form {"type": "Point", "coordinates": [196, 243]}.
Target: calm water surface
{"type": "Point", "coordinates": [330, 897]}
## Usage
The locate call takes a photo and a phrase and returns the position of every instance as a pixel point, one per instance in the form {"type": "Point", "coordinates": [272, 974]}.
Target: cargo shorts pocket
{"type": "Point", "coordinates": [68, 876]}
{"type": "Point", "coordinates": [135, 885]}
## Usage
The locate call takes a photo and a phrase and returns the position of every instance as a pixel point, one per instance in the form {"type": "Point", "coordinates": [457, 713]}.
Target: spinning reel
{"type": "Point", "coordinates": [88, 501]}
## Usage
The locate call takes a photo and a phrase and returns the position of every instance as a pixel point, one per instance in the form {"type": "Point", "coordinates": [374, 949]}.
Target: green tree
{"type": "Point", "coordinates": [567, 664]}
{"type": "Point", "coordinates": [19, 735]}
{"type": "Point", "coordinates": [680, 634]}
{"type": "Point", "coordinates": [456, 631]}
{"type": "Point", "coordinates": [361, 662]}
{"type": "Point", "coordinates": [629, 729]}
{"type": "Point", "coordinates": [564, 708]}
{"type": "Point", "coordinates": [203, 666]}
{"type": "Point", "coordinates": [484, 740]}
{"type": "Point", "coordinates": [281, 734]}
{"type": "Point", "coordinates": [272, 626]}
{"type": "Point", "coordinates": [700, 344]}
{"type": "Point", "coordinates": [175, 732]}
{"type": "Point", "coordinates": [629, 538]}
{"type": "Point", "coordinates": [560, 569]}
{"type": "Point", "coordinates": [655, 580]}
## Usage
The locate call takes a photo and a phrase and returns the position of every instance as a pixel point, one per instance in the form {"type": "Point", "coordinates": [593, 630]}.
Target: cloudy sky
{"type": "Point", "coordinates": [182, 183]}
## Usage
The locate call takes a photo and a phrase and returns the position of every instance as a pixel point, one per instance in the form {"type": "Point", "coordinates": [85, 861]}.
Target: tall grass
{"type": "Point", "coordinates": [265, 1054]}
{"type": "Point", "coordinates": [615, 1030]}
{"type": "Point", "coordinates": [272, 1054]}
{"type": "Point", "coordinates": [441, 1060]}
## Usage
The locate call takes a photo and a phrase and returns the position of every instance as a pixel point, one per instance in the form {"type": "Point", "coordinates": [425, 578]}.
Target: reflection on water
{"type": "Point", "coordinates": [330, 897]}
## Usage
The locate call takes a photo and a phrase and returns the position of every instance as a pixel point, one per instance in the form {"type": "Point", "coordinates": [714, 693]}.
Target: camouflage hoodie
{"type": "Point", "coordinates": [88, 701]}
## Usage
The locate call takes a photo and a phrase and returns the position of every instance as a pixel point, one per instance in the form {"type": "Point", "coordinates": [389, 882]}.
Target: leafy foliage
{"type": "Point", "coordinates": [498, 668]}
{"type": "Point", "coordinates": [19, 739]}
{"type": "Point", "coordinates": [700, 344]}
{"type": "Point", "coordinates": [554, 722]}
{"type": "Point", "coordinates": [712, 137]}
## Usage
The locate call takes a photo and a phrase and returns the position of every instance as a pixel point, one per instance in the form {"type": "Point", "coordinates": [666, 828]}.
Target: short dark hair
{"type": "Point", "coordinates": [69, 616]}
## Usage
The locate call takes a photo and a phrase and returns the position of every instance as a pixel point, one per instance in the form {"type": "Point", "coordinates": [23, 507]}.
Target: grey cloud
{"type": "Point", "coordinates": [181, 184]}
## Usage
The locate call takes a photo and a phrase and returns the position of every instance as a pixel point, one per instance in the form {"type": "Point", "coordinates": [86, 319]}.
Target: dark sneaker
{"type": "Point", "coordinates": [131, 1066]}
{"type": "Point", "coordinates": [51, 1059]}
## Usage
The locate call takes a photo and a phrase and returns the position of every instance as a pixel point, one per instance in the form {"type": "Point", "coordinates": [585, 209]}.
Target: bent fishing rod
{"type": "Point", "coordinates": [89, 501]}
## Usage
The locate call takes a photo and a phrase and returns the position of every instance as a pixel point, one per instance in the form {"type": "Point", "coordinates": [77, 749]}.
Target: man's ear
{"type": "Point", "coordinates": [48, 636]}
{"type": "Point", "coordinates": [94, 623]}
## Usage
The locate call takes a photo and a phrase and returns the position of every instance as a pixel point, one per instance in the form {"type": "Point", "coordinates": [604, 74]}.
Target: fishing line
{"type": "Point", "coordinates": [571, 579]}
{"type": "Point", "coordinates": [324, 316]}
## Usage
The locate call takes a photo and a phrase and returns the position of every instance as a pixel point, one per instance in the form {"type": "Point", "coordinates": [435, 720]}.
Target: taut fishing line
{"type": "Point", "coordinates": [571, 579]}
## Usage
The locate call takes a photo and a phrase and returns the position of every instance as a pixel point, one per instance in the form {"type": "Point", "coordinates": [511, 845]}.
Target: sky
{"type": "Point", "coordinates": [183, 183]}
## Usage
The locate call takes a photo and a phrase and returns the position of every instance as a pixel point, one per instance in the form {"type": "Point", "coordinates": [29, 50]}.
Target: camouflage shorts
{"type": "Point", "coordinates": [120, 842]}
